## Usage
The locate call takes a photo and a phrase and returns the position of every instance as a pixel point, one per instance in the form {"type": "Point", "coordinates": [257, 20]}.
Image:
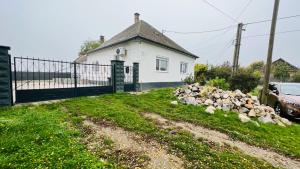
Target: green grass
{"type": "Point", "coordinates": [49, 135]}
{"type": "Point", "coordinates": [124, 110]}
{"type": "Point", "coordinates": [42, 137]}
{"type": "Point", "coordinates": [284, 140]}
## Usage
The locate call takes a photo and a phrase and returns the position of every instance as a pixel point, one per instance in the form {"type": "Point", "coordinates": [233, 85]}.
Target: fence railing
{"type": "Point", "coordinates": [32, 73]}
{"type": "Point", "coordinates": [128, 74]}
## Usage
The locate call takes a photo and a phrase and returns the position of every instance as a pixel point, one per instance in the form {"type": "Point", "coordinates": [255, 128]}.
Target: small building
{"type": "Point", "coordinates": [292, 68]}
{"type": "Point", "coordinates": [162, 62]}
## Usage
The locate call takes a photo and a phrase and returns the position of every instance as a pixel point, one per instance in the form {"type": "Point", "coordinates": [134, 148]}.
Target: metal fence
{"type": "Point", "coordinates": [32, 73]}
{"type": "Point", "coordinates": [128, 74]}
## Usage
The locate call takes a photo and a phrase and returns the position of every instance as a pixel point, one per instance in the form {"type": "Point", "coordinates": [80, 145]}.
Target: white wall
{"type": "Point", "coordinates": [145, 54]}
{"type": "Point", "coordinates": [149, 52]}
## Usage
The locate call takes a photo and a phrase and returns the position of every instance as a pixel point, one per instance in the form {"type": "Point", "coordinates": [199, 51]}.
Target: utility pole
{"type": "Point", "coordinates": [236, 55]}
{"type": "Point", "coordinates": [270, 53]}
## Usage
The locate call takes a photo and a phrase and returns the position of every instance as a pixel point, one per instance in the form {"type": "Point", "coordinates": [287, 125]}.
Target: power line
{"type": "Point", "coordinates": [244, 9]}
{"type": "Point", "coordinates": [269, 20]}
{"type": "Point", "coordinates": [260, 35]}
{"type": "Point", "coordinates": [218, 9]}
{"type": "Point", "coordinates": [201, 32]}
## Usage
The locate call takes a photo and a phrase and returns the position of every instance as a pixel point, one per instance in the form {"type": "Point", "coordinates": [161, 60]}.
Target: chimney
{"type": "Point", "coordinates": [101, 39]}
{"type": "Point", "coordinates": [136, 17]}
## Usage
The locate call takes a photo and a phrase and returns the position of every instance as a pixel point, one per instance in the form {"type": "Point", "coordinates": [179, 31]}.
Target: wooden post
{"type": "Point", "coordinates": [236, 55]}
{"type": "Point", "coordinates": [270, 53]}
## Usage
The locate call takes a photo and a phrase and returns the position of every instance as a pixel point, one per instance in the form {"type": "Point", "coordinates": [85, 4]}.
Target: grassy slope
{"type": "Point", "coordinates": [284, 140]}
{"type": "Point", "coordinates": [41, 137]}
{"type": "Point", "coordinates": [119, 109]}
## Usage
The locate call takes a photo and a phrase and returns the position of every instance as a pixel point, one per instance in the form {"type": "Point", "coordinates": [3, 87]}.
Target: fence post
{"type": "Point", "coordinates": [75, 79]}
{"type": "Point", "coordinates": [136, 76]}
{"type": "Point", "coordinates": [6, 96]}
{"type": "Point", "coordinates": [117, 74]}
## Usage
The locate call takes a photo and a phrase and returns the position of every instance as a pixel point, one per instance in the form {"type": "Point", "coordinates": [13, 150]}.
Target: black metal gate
{"type": "Point", "coordinates": [40, 79]}
{"type": "Point", "coordinates": [128, 79]}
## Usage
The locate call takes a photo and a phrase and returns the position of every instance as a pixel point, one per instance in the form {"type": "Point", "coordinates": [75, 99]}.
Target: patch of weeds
{"type": "Point", "coordinates": [104, 148]}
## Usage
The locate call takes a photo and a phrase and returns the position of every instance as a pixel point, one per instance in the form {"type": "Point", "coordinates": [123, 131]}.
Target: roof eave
{"type": "Point", "coordinates": [145, 39]}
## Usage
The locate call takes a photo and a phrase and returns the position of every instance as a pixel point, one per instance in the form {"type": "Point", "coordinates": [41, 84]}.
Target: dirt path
{"type": "Point", "coordinates": [273, 158]}
{"type": "Point", "coordinates": [124, 140]}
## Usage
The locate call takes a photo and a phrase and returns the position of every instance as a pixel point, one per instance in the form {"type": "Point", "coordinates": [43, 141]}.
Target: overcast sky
{"type": "Point", "coordinates": [56, 28]}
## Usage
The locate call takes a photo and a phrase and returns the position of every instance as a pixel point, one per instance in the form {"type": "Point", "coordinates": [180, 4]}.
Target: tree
{"type": "Point", "coordinates": [88, 45]}
{"type": "Point", "coordinates": [281, 72]}
{"type": "Point", "coordinates": [256, 66]}
{"type": "Point", "coordinates": [296, 77]}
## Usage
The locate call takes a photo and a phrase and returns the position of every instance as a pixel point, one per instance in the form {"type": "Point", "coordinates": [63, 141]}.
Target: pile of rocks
{"type": "Point", "coordinates": [246, 105]}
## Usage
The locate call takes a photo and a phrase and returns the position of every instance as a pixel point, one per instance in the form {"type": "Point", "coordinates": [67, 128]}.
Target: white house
{"type": "Point", "coordinates": [162, 62]}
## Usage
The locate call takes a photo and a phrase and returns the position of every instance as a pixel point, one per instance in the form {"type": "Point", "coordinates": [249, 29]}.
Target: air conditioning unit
{"type": "Point", "coordinates": [121, 51]}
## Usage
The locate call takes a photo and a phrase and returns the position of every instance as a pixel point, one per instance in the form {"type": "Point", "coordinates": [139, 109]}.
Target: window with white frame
{"type": "Point", "coordinates": [162, 64]}
{"type": "Point", "coordinates": [183, 67]}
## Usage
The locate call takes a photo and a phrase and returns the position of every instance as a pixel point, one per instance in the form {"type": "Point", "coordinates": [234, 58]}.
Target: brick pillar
{"type": "Point", "coordinates": [6, 98]}
{"type": "Point", "coordinates": [117, 74]}
{"type": "Point", "coordinates": [136, 76]}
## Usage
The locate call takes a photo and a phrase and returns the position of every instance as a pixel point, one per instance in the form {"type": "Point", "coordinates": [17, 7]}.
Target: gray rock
{"type": "Point", "coordinates": [243, 110]}
{"type": "Point", "coordinates": [238, 93]}
{"type": "Point", "coordinates": [217, 96]}
{"type": "Point", "coordinates": [208, 102]}
{"type": "Point", "coordinates": [174, 102]}
{"type": "Point", "coordinates": [254, 98]}
{"type": "Point", "coordinates": [237, 103]}
{"type": "Point", "coordinates": [226, 107]}
{"type": "Point", "coordinates": [285, 121]}
{"type": "Point", "coordinates": [187, 91]}
{"type": "Point", "coordinates": [195, 89]}
{"type": "Point", "coordinates": [225, 96]}
{"type": "Point", "coordinates": [252, 113]}
{"type": "Point", "coordinates": [266, 119]}
{"type": "Point", "coordinates": [190, 100]}
{"type": "Point", "coordinates": [210, 110]}
{"type": "Point", "coordinates": [244, 118]}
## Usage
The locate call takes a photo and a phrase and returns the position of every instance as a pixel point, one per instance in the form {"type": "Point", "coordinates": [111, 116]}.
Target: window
{"type": "Point", "coordinates": [162, 64]}
{"type": "Point", "coordinates": [183, 67]}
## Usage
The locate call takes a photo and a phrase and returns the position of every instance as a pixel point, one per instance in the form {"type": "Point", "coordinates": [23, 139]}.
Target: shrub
{"type": "Point", "coordinates": [219, 83]}
{"type": "Point", "coordinates": [189, 79]}
{"type": "Point", "coordinates": [200, 73]}
{"type": "Point", "coordinates": [296, 77]}
{"type": "Point", "coordinates": [244, 81]}
{"type": "Point", "coordinates": [223, 71]}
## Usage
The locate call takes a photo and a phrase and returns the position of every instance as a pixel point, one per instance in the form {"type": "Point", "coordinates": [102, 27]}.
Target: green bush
{"type": "Point", "coordinates": [219, 83]}
{"type": "Point", "coordinates": [223, 71]}
{"type": "Point", "coordinates": [200, 73]}
{"type": "Point", "coordinates": [244, 80]}
{"type": "Point", "coordinates": [296, 77]}
{"type": "Point", "coordinates": [189, 79]}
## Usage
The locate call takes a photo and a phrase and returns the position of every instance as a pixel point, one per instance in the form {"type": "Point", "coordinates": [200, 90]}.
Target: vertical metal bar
{"type": "Point", "coordinates": [44, 74]}
{"type": "Point", "coordinates": [16, 79]}
{"type": "Point", "coordinates": [27, 81]}
{"type": "Point", "coordinates": [49, 73]}
{"type": "Point", "coordinates": [39, 74]}
{"type": "Point", "coordinates": [54, 65]}
{"type": "Point", "coordinates": [75, 78]}
{"type": "Point", "coordinates": [33, 73]}
{"type": "Point", "coordinates": [21, 73]}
